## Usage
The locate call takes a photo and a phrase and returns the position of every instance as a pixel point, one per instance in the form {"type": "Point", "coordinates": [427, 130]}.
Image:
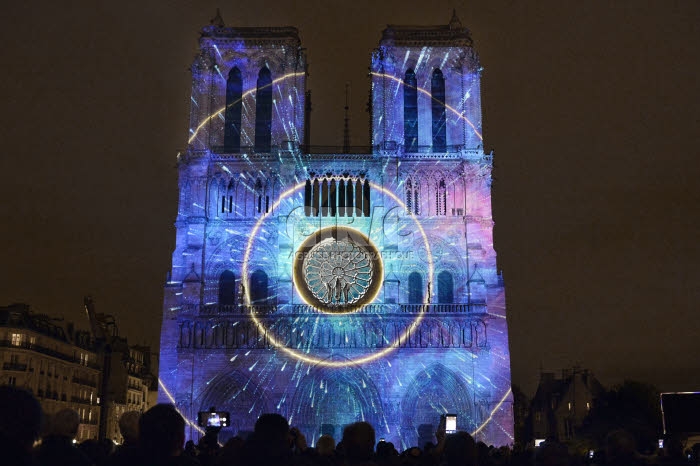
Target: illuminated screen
{"type": "Point", "coordinates": [450, 423]}
{"type": "Point", "coordinates": [337, 286]}
{"type": "Point", "coordinates": [681, 412]}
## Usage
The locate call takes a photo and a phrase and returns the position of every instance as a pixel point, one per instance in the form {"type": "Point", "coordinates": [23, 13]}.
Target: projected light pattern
{"type": "Point", "coordinates": [332, 288]}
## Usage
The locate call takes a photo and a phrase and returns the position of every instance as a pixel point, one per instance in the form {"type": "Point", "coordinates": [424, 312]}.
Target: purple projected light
{"type": "Point", "coordinates": [337, 287]}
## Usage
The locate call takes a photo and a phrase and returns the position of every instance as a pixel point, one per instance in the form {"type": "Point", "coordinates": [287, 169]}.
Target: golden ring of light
{"type": "Point", "coordinates": [291, 75]}
{"type": "Point", "coordinates": [373, 289]}
{"type": "Point", "coordinates": [310, 359]}
{"type": "Point", "coordinates": [493, 412]}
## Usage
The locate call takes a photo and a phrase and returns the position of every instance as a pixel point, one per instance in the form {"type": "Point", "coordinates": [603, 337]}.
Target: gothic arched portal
{"type": "Point", "coordinates": [239, 395]}
{"type": "Point", "coordinates": [434, 391]}
{"type": "Point", "coordinates": [335, 397]}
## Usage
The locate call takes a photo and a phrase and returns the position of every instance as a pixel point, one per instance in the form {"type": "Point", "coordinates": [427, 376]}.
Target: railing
{"type": "Point", "coordinates": [266, 309]}
{"type": "Point", "coordinates": [311, 149]}
{"type": "Point", "coordinates": [13, 366]}
{"type": "Point", "coordinates": [82, 381]}
{"type": "Point", "coordinates": [84, 401]}
{"type": "Point", "coordinates": [46, 351]}
{"type": "Point", "coordinates": [443, 308]}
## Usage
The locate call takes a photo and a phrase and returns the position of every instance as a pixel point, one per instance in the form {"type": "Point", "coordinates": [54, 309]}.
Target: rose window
{"type": "Point", "coordinates": [338, 272]}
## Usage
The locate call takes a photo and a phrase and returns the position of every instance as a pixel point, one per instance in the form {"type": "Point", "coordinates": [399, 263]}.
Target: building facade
{"type": "Point", "coordinates": [128, 384]}
{"type": "Point", "coordinates": [561, 405]}
{"type": "Point", "coordinates": [58, 365]}
{"type": "Point", "coordinates": [329, 286]}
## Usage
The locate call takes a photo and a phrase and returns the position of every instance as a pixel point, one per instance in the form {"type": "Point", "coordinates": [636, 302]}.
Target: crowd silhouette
{"type": "Point", "coordinates": [157, 438]}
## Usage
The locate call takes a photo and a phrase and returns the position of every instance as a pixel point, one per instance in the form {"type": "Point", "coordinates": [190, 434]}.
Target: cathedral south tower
{"type": "Point", "coordinates": [334, 287]}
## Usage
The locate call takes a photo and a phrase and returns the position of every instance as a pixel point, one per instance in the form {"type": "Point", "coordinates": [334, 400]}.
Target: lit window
{"type": "Point", "coordinates": [17, 339]}
{"type": "Point", "coordinates": [569, 406]}
{"type": "Point", "coordinates": [588, 405]}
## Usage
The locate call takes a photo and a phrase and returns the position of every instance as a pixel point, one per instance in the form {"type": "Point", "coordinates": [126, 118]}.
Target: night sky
{"type": "Point", "coordinates": [592, 110]}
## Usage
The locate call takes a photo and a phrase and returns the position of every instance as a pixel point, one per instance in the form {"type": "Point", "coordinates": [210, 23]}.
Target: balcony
{"type": "Point", "coordinates": [86, 382]}
{"type": "Point", "coordinates": [13, 366]}
{"type": "Point", "coordinates": [46, 351]}
{"type": "Point", "coordinates": [77, 399]}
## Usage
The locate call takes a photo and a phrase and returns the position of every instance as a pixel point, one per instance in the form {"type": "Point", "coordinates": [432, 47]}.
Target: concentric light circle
{"type": "Point", "coordinates": [305, 357]}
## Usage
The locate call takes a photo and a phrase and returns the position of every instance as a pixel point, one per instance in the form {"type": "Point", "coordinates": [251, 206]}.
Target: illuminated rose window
{"type": "Point", "coordinates": [337, 270]}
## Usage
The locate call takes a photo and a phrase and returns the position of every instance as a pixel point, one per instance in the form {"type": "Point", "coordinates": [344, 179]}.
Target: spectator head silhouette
{"type": "Point", "coordinates": [162, 431]}
{"type": "Point", "coordinates": [129, 426]}
{"type": "Point", "coordinates": [64, 423]}
{"type": "Point", "coordinates": [325, 446]}
{"type": "Point", "coordinates": [358, 441]}
{"type": "Point", "coordinates": [620, 446]}
{"type": "Point", "coordinates": [460, 449]}
{"type": "Point", "coordinates": [20, 417]}
{"type": "Point", "coordinates": [273, 428]}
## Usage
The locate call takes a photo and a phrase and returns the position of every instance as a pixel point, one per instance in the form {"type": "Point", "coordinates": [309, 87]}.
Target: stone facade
{"type": "Point", "coordinates": [58, 365]}
{"type": "Point", "coordinates": [336, 287]}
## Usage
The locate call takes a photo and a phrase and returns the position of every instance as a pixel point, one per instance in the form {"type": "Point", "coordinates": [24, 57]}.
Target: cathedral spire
{"type": "Point", "coordinates": [346, 125]}
{"type": "Point", "coordinates": [217, 20]}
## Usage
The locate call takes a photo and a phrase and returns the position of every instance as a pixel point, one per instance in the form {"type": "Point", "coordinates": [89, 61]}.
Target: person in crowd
{"type": "Point", "coordinates": [231, 453]}
{"type": "Point", "coordinates": [161, 438]}
{"type": "Point", "coordinates": [57, 447]}
{"type": "Point", "coordinates": [274, 443]}
{"type": "Point", "coordinates": [325, 446]}
{"type": "Point", "coordinates": [20, 423]}
{"type": "Point", "coordinates": [358, 444]}
{"type": "Point", "coordinates": [129, 428]}
{"type": "Point", "coordinates": [190, 449]}
{"type": "Point", "coordinates": [98, 452]}
{"type": "Point", "coordinates": [459, 449]}
{"type": "Point", "coordinates": [621, 449]}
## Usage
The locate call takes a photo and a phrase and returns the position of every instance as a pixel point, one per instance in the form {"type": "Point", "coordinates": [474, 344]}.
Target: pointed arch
{"type": "Point", "coordinates": [336, 397]}
{"type": "Point", "coordinates": [437, 91]}
{"type": "Point", "coordinates": [259, 287]}
{"type": "Point", "coordinates": [410, 111]}
{"type": "Point", "coordinates": [358, 198]}
{"type": "Point", "coordinates": [445, 287]}
{"type": "Point", "coordinates": [307, 198]}
{"type": "Point", "coordinates": [259, 196]}
{"type": "Point", "coordinates": [227, 288]}
{"type": "Point", "coordinates": [415, 288]}
{"type": "Point", "coordinates": [341, 197]}
{"type": "Point", "coordinates": [434, 390]}
{"type": "Point", "coordinates": [366, 209]}
{"type": "Point", "coordinates": [409, 196]}
{"type": "Point", "coordinates": [263, 111]}
{"type": "Point", "coordinates": [315, 211]}
{"type": "Point", "coordinates": [349, 198]}
{"type": "Point", "coordinates": [232, 115]}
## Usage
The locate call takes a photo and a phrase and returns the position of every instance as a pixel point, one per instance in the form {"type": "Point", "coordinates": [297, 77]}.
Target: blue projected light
{"type": "Point", "coordinates": [337, 287]}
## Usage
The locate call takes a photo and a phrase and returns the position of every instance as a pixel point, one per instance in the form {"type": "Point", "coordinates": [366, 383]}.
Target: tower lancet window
{"type": "Point", "coordinates": [263, 111]}
{"type": "Point", "coordinates": [232, 115]}
{"type": "Point", "coordinates": [437, 91]}
{"type": "Point", "coordinates": [410, 111]}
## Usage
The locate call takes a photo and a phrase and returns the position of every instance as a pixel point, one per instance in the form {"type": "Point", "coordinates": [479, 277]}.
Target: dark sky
{"type": "Point", "coordinates": [592, 109]}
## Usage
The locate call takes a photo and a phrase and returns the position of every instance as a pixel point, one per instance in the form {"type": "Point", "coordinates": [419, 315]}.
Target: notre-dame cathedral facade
{"type": "Point", "coordinates": [333, 286]}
